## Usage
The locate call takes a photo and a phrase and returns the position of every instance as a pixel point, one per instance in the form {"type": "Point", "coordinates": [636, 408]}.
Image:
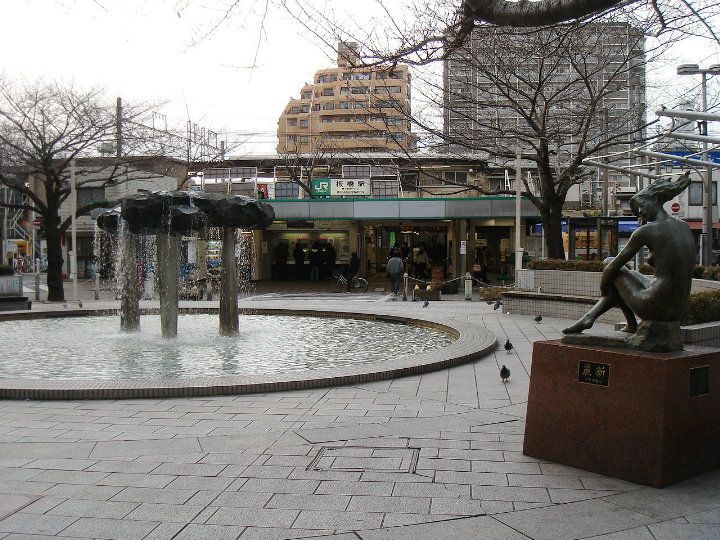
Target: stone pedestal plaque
{"type": "Point", "coordinates": [650, 418]}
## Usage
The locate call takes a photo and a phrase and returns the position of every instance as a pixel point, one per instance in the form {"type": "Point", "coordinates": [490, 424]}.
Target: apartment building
{"type": "Point", "coordinates": [546, 87]}
{"type": "Point", "coordinates": [349, 109]}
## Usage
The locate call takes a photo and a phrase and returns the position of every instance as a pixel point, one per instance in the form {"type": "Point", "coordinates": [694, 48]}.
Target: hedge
{"type": "Point", "coordinates": [703, 307]}
{"type": "Point", "coordinates": [6, 270]}
{"type": "Point", "coordinates": [700, 272]}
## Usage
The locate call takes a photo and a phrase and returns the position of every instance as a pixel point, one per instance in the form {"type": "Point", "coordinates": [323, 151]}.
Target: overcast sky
{"type": "Point", "coordinates": [238, 77]}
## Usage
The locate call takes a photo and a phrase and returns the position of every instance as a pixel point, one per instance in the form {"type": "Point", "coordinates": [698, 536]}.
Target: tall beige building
{"type": "Point", "coordinates": [349, 109]}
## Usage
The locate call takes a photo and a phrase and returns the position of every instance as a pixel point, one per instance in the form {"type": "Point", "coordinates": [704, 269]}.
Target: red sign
{"type": "Point", "coordinates": [675, 207]}
{"type": "Point", "coordinates": [37, 222]}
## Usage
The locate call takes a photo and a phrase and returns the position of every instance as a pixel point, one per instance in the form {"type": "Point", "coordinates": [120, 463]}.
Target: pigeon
{"type": "Point", "coordinates": [538, 319]}
{"type": "Point", "coordinates": [497, 305]}
{"type": "Point", "coordinates": [426, 303]}
{"type": "Point", "coordinates": [489, 302]}
{"type": "Point", "coordinates": [65, 305]}
{"type": "Point", "coordinates": [509, 346]}
{"type": "Point", "coordinates": [79, 303]}
{"type": "Point", "coordinates": [504, 374]}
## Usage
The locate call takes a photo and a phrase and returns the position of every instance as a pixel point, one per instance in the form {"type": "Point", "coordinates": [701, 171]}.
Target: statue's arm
{"type": "Point", "coordinates": [631, 249]}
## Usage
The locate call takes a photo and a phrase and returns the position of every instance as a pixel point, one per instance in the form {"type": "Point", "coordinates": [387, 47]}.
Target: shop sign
{"type": "Point", "coordinates": [351, 188]}
{"type": "Point", "coordinates": [320, 187]}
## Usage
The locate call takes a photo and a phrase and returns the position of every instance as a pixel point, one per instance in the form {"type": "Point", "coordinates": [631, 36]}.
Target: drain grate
{"type": "Point", "coordinates": [365, 458]}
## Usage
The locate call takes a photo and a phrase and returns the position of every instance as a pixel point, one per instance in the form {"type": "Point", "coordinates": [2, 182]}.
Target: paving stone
{"type": "Point", "coordinates": [110, 528]}
{"type": "Point", "coordinates": [65, 464]}
{"type": "Point", "coordinates": [12, 503]}
{"type": "Point", "coordinates": [274, 533]}
{"type": "Point", "coordinates": [501, 493]}
{"type": "Point", "coordinates": [568, 521]}
{"type": "Point", "coordinates": [182, 513]}
{"type": "Point", "coordinates": [339, 521]}
{"type": "Point", "coordinates": [674, 501]}
{"type": "Point", "coordinates": [453, 491]}
{"type": "Point", "coordinates": [165, 531]}
{"type": "Point", "coordinates": [242, 499]}
{"type": "Point", "coordinates": [256, 517]}
{"type": "Point", "coordinates": [710, 516]}
{"type": "Point", "coordinates": [130, 467]}
{"type": "Point", "coordinates": [457, 528]}
{"type": "Point", "coordinates": [76, 491]}
{"type": "Point", "coordinates": [195, 531]}
{"type": "Point", "coordinates": [343, 487]}
{"type": "Point", "coordinates": [99, 509]}
{"type": "Point", "coordinates": [152, 495]}
{"type": "Point", "coordinates": [200, 482]}
{"type": "Point", "coordinates": [468, 507]}
{"type": "Point", "coordinates": [471, 478]}
{"type": "Point", "coordinates": [692, 531]}
{"type": "Point", "coordinates": [272, 485]}
{"type": "Point", "coordinates": [636, 533]}
{"type": "Point", "coordinates": [310, 502]}
{"type": "Point", "coordinates": [136, 480]}
{"type": "Point", "coordinates": [408, 505]}
{"type": "Point", "coordinates": [144, 447]}
{"type": "Point", "coordinates": [35, 524]}
{"type": "Point", "coordinates": [72, 477]}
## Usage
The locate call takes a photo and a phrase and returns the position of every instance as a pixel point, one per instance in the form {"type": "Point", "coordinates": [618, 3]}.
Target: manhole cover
{"type": "Point", "coordinates": [364, 458]}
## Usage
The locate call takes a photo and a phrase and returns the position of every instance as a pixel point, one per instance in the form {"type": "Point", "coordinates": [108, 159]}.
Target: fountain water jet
{"type": "Point", "coordinates": [169, 215]}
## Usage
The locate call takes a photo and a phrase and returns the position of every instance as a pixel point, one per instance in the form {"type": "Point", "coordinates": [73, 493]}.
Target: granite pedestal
{"type": "Point", "coordinates": [650, 418]}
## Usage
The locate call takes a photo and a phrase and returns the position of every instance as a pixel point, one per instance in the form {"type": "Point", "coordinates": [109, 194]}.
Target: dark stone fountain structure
{"type": "Point", "coordinates": [169, 215]}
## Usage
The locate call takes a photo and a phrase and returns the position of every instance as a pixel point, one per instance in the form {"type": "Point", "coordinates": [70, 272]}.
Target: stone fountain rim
{"type": "Point", "coordinates": [472, 343]}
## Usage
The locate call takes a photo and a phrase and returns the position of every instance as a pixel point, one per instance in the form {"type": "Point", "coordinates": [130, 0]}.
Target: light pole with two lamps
{"type": "Point", "coordinates": [695, 69]}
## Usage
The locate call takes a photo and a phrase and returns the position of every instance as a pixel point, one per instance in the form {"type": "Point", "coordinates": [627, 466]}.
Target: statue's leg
{"type": "Point", "coordinates": [605, 303]}
{"type": "Point", "coordinates": [630, 320]}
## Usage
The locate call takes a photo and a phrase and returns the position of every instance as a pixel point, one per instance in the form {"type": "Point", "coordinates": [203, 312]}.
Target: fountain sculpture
{"type": "Point", "coordinates": [169, 215]}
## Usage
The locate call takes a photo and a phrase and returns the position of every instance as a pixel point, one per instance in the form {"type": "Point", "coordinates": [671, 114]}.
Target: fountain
{"type": "Point", "coordinates": [168, 215]}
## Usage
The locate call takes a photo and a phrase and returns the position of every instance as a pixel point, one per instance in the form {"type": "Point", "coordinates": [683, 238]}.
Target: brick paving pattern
{"type": "Point", "coordinates": [436, 455]}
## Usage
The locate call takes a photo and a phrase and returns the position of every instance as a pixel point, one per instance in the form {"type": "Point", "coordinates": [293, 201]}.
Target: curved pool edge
{"type": "Point", "coordinates": [472, 343]}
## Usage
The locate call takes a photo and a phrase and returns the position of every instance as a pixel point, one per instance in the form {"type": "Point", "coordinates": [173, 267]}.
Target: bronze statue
{"type": "Point", "coordinates": [660, 300]}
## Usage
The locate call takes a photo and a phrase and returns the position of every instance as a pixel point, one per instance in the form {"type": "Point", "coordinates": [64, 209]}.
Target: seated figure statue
{"type": "Point", "coordinates": [660, 301]}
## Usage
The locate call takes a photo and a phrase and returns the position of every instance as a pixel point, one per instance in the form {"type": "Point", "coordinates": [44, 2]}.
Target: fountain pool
{"type": "Point", "coordinates": [93, 347]}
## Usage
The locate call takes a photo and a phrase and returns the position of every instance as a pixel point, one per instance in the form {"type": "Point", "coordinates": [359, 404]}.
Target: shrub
{"type": "Point", "coordinates": [561, 264]}
{"type": "Point", "coordinates": [703, 307]}
{"type": "Point", "coordinates": [6, 270]}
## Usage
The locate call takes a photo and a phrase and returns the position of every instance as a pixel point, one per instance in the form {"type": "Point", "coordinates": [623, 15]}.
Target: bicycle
{"type": "Point", "coordinates": [358, 284]}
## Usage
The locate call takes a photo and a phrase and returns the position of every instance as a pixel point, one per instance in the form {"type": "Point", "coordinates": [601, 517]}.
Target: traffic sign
{"type": "Point", "coordinates": [675, 207]}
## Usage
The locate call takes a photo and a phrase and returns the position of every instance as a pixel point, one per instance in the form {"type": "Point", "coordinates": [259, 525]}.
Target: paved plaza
{"type": "Point", "coordinates": [431, 456]}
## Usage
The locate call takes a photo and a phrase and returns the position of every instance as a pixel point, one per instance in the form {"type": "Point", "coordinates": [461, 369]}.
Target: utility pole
{"type": "Point", "coordinates": [518, 207]}
{"type": "Point", "coordinates": [708, 221]}
{"type": "Point", "coordinates": [118, 131]}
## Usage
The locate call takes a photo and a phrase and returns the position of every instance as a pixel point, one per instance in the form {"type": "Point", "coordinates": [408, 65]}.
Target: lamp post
{"type": "Point", "coordinates": [695, 69]}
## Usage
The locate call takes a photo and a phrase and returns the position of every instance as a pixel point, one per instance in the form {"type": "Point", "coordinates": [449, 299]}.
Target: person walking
{"type": "Point", "coordinates": [353, 269]}
{"type": "Point", "coordinates": [395, 269]}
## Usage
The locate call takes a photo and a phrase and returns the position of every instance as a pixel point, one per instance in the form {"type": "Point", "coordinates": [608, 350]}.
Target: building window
{"type": "Point", "coordinates": [459, 177]}
{"type": "Point", "coordinates": [87, 195]}
{"type": "Point", "coordinates": [326, 119]}
{"type": "Point", "coordinates": [361, 76]}
{"type": "Point", "coordinates": [286, 190]}
{"type": "Point", "coordinates": [304, 139]}
{"type": "Point", "coordinates": [695, 193]}
{"type": "Point", "coordinates": [328, 92]}
{"type": "Point", "coordinates": [346, 76]}
{"type": "Point", "coordinates": [292, 138]}
{"type": "Point", "coordinates": [304, 123]}
{"type": "Point", "coordinates": [295, 110]}
{"type": "Point", "coordinates": [344, 91]}
{"type": "Point", "coordinates": [346, 104]}
{"type": "Point", "coordinates": [387, 89]}
{"type": "Point", "coordinates": [395, 120]}
{"type": "Point", "coordinates": [292, 121]}
{"type": "Point", "coordinates": [307, 94]}
{"type": "Point", "coordinates": [316, 107]}
{"type": "Point", "coordinates": [305, 108]}
{"type": "Point", "coordinates": [383, 75]}
{"type": "Point", "coordinates": [360, 90]}
{"type": "Point", "coordinates": [328, 106]}
{"type": "Point", "coordinates": [326, 78]}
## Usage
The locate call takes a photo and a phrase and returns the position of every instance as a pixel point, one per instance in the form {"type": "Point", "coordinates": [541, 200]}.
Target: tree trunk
{"type": "Point", "coordinates": [552, 225]}
{"type": "Point", "coordinates": [53, 237]}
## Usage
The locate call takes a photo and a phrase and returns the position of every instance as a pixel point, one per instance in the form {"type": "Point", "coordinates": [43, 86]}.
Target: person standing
{"type": "Point", "coordinates": [315, 259]}
{"type": "Point", "coordinates": [299, 258]}
{"type": "Point", "coordinates": [421, 262]}
{"type": "Point", "coordinates": [395, 269]}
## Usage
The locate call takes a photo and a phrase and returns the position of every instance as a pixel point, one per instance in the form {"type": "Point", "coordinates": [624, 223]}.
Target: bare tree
{"type": "Point", "coordinates": [302, 167]}
{"type": "Point", "coordinates": [44, 127]}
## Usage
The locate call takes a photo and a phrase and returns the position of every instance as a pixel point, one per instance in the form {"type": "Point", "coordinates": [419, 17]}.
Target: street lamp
{"type": "Point", "coordinates": [695, 69]}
